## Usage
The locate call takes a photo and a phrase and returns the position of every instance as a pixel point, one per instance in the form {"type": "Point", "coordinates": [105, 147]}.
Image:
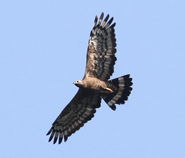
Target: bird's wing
{"type": "Point", "coordinates": [80, 110]}
{"type": "Point", "coordinates": [101, 49]}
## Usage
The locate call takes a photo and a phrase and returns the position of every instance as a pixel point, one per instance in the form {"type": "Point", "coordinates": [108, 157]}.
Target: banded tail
{"type": "Point", "coordinates": [123, 85]}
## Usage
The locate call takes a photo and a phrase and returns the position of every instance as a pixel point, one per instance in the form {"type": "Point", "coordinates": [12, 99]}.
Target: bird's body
{"type": "Point", "coordinates": [95, 84]}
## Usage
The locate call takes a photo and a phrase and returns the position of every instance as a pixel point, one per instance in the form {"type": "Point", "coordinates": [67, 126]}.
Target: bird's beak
{"type": "Point", "coordinates": [74, 83]}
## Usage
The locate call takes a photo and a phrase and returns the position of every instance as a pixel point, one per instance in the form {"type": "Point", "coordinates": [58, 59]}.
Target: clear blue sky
{"type": "Point", "coordinates": [43, 50]}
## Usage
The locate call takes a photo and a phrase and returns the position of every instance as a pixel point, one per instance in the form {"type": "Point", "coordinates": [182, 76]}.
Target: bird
{"type": "Point", "coordinates": [96, 83]}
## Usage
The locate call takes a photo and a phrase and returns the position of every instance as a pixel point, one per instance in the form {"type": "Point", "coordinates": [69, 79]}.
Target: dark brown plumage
{"type": "Point", "coordinates": [95, 85]}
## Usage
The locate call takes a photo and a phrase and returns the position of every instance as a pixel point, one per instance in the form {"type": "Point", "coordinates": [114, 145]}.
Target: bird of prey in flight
{"type": "Point", "coordinates": [95, 84]}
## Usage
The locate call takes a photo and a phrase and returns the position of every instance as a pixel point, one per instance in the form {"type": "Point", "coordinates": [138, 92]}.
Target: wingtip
{"type": "Point", "coordinates": [50, 138]}
{"type": "Point", "coordinates": [102, 14]}
{"type": "Point", "coordinates": [49, 131]}
{"type": "Point", "coordinates": [55, 140]}
{"type": "Point", "coordinates": [65, 138]}
{"type": "Point", "coordinates": [60, 140]}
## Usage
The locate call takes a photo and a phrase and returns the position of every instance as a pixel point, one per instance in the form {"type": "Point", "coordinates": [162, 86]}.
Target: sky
{"type": "Point", "coordinates": [43, 48]}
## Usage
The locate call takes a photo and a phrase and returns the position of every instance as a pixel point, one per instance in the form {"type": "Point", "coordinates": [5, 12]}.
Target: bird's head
{"type": "Point", "coordinates": [79, 83]}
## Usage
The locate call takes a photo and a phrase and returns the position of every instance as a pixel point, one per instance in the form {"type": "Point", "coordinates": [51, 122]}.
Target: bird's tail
{"type": "Point", "coordinates": [123, 89]}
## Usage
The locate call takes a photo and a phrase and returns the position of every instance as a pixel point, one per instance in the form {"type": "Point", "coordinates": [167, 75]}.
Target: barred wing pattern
{"type": "Point", "coordinates": [80, 110]}
{"type": "Point", "coordinates": [101, 50]}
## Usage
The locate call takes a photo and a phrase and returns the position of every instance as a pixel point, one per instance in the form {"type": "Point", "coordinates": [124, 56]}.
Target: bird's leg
{"type": "Point", "coordinates": [106, 90]}
{"type": "Point", "coordinates": [109, 90]}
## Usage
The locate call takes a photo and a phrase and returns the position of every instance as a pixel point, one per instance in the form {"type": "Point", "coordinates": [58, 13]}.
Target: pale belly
{"type": "Point", "coordinates": [97, 85]}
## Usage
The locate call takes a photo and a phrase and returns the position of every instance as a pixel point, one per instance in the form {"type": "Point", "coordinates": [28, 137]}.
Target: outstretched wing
{"type": "Point", "coordinates": [101, 49]}
{"type": "Point", "coordinates": [80, 110]}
